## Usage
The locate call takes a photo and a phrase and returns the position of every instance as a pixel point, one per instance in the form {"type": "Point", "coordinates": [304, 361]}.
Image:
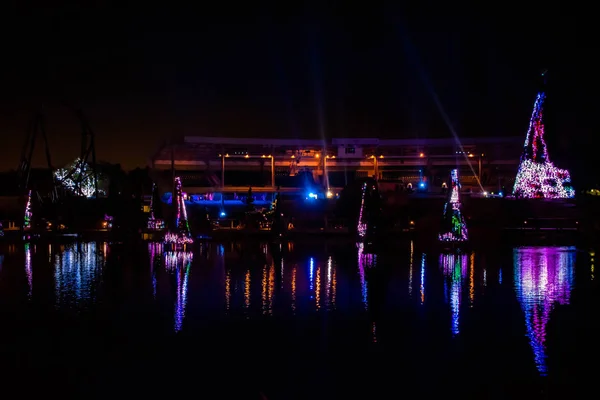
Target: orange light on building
{"type": "Point", "coordinates": [381, 156]}
{"type": "Point", "coordinates": [246, 156]}
{"type": "Point", "coordinates": [422, 155]}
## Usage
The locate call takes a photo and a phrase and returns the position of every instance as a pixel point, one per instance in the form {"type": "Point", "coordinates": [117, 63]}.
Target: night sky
{"type": "Point", "coordinates": [143, 75]}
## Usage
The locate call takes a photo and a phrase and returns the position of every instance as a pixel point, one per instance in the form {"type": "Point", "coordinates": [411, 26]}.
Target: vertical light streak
{"type": "Point", "coordinates": [454, 268]}
{"type": "Point", "coordinates": [228, 290]}
{"type": "Point", "coordinates": [264, 289]}
{"type": "Point", "coordinates": [472, 280]}
{"type": "Point", "coordinates": [28, 269]}
{"type": "Point", "coordinates": [328, 284]}
{"type": "Point", "coordinates": [318, 288]}
{"type": "Point", "coordinates": [182, 275]}
{"type": "Point", "coordinates": [247, 291]}
{"type": "Point", "coordinates": [410, 270]}
{"type": "Point", "coordinates": [271, 288]}
{"type": "Point", "coordinates": [293, 303]}
{"type": "Point", "coordinates": [361, 274]}
{"type": "Point", "coordinates": [422, 287]}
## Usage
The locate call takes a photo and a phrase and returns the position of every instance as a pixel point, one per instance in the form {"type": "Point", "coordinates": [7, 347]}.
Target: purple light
{"type": "Point", "coordinates": [455, 268]}
{"type": "Point", "coordinates": [155, 249]}
{"type": "Point", "coordinates": [179, 262]}
{"type": "Point", "coordinates": [362, 224]}
{"type": "Point", "coordinates": [28, 270]}
{"type": "Point", "coordinates": [365, 261]}
{"type": "Point", "coordinates": [537, 177]}
{"type": "Point", "coordinates": [543, 277]}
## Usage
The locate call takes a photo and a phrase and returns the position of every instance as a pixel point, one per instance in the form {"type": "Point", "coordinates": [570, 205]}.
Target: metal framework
{"type": "Point", "coordinates": [88, 151]}
{"type": "Point", "coordinates": [36, 127]}
{"type": "Point", "coordinates": [87, 155]}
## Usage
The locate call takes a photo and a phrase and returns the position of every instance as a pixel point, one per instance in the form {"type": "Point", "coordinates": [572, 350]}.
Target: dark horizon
{"type": "Point", "coordinates": [375, 74]}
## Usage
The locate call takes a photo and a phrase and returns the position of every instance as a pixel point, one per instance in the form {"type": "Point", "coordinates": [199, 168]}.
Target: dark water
{"type": "Point", "coordinates": [301, 320]}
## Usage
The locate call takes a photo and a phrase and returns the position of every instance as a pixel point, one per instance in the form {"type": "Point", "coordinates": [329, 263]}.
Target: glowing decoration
{"type": "Point", "coordinates": [454, 227]}
{"type": "Point", "coordinates": [155, 223]}
{"type": "Point", "coordinates": [454, 268]}
{"type": "Point", "coordinates": [78, 178]}
{"type": "Point", "coordinates": [364, 261]}
{"type": "Point", "coordinates": [28, 270]}
{"type": "Point", "coordinates": [178, 238]}
{"type": "Point", "coordinates": [361, 228]}
{"type": "Point", "coordinates": [537, 177]}
{"type": "Point", "coordinates": [108, 221]}
{"type": "Point", "coordinates": [181, 235]}
{"type": "Point", "coordinates": [543, 277]}
{"type": "Point", "coordinates": [179, 263]}
{"type": "Point", "coordinates": [28, 214]}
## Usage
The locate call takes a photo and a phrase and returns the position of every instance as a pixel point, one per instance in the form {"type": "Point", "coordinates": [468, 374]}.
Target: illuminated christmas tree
{"type": "Point", "coordinates": [182, 234]}
{"type": "Point", "coordinates": [28, 214]}
{"type": "Point", "coordinates": [454, 227]}
{"type": "Point", "coordinates": [537, 177]}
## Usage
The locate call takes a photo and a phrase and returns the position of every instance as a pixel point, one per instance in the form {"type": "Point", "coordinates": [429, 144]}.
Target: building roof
{"type": "Point", "coordinates": [265, 142]}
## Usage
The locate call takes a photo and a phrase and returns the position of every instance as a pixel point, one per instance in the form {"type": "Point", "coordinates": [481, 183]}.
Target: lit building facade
{"type": "Point", "coordinates": [208, 164]}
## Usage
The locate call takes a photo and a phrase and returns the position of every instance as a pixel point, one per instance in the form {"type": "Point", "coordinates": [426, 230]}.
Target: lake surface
{"type": "Point", "coordinates": [298, 320]}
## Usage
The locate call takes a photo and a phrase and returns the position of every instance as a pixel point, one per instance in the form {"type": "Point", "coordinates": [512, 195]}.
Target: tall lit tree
{"type": "Point", "coordinates": [537, 177]}
{"type": "Point", "coordinates": [454, 227]}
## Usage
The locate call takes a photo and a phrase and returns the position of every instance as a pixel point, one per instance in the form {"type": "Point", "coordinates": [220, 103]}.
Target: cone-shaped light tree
{"type": "Point", "coordinates": [454, 227]}
{"type": "Point", "coordinates": [182, 233]}
{"type": "Point", "coordinates": [537, 177]}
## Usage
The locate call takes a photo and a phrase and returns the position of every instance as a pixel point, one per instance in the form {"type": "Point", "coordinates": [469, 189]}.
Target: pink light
{"type": "Point", "coordinates": [175, 238]}
{"type": "Point", "coordinates": [543, 278]}
{"type": "Point", "coordinates": [182, 235]}
{"type": "Point", "coordinates": [537, 177]}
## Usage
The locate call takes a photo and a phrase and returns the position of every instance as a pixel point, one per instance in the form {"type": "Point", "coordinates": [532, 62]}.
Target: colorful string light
{"type": "Point", "coordinates": [454, 227]}
{"type": "Point", "coordinates": [28, 213]}
{"type": "Point", "coordinates": [178, 238]}
{"type": "Point", "coordinates": [537, 177]}
{"type": "Point", "coordinates": [182, 235]}
{"type": "Point", "coordinates": [361, 228]}
{"type": "Point", "coordinates": [78, 178]}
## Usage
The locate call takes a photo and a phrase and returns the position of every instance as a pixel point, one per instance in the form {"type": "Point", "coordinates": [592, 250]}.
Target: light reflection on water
{"type": "Point", "coordinates": [77, 274]}
{"type": "Point", "coordinates": [454, 268]}
{"type": "Point", "coordinates": [179, 263]}
{"type": "Point", "coordinates": [260, 283]}
{"type": "Point", "coordinates": [543, 277]}
{"type": "Point", "coordinates": [28, 269]}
